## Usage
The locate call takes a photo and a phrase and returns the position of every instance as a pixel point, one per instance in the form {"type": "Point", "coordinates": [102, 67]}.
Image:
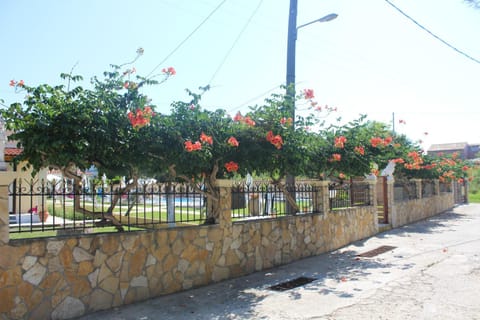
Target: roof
{"type": "Point", "coordinates": [12, 151]}
{"type": "Point", "coordinates": [448, 146]}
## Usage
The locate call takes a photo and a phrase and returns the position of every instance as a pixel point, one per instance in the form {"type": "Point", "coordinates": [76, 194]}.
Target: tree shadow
{"type": "Point", "coordinates": [347, 267]}
{"type": "Point", "coordinates": [445, 221]}
{"type": "Point", "coordinates": [238, 298]}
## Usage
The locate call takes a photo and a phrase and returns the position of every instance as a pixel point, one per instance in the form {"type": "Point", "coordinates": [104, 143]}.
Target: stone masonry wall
{"type": "Point", "coordinates": [66, 277]}
{"type": "Point", "coordinates": [419, 209]}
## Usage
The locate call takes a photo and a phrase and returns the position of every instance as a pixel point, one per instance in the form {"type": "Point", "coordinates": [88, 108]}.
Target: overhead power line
{"type": "Point", "coordinates": [188, 37]}
{"type": "Point", "coordinates": [235, 42]}
{"type": "Point", "coordinates": [432, 34]}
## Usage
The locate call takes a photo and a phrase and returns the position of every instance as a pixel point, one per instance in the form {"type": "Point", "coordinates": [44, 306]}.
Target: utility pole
{"type": "Point", "coordinates": [290, 83]}
{"type": "Point", "coordinates": [290, 96]}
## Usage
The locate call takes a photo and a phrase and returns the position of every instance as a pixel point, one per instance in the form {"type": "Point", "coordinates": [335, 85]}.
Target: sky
{"type": "Point", "coordinates": [370, 60]}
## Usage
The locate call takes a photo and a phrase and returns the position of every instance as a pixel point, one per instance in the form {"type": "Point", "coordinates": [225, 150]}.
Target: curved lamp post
{"type": "Point", "coordinates": [291, 47]}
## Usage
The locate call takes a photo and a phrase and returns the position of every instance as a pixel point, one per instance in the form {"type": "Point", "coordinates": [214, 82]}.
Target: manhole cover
{"type": "Point", "coordinates": [292, 284]}
{"type": "Point", "coordinates": [375, 252]}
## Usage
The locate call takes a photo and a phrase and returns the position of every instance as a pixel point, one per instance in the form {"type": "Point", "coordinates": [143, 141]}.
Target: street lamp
{"type": "Point", "coordinates": [290, 97]}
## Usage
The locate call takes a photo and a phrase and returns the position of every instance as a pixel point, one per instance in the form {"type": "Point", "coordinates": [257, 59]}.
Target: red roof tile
{"type": "Point", "coordinates": [12, 151]}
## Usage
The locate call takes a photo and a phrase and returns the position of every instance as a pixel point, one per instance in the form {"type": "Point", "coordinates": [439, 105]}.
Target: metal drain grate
{"type": "Point", "coordinates": [298, 282]}
{"type": "Point", "coordinates": [375, 252]}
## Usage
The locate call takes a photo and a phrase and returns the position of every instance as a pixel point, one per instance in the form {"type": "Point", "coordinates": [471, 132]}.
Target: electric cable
{"type": "Point", "coordinates": [235, 42]}
{"type": "Point", "coordinates": [256, 97]}
{"type": "Point", "coordinates": [186, 39]}
{"type": "Point", "coordinates": [432, 34]}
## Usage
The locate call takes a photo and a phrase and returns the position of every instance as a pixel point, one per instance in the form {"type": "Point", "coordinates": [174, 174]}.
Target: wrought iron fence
{"type": "Point", "coordinates": [57, 206]}
{"type": "Point", "coordinates": [41, 205]}
{"type": "Point", "coordinates": [428, 188]}
{"type": "Point", "coordinates": [404, 191]}
{"type": "Point", "coordinates": [259, 199]}
{"type": "Point", "coordinates": [445, 187]}
{"type": "Point", "coordinates": [344, 195]}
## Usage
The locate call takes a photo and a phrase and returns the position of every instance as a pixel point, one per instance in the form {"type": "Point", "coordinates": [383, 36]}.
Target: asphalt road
{"type": "Point", "coordinates": [433, 272]}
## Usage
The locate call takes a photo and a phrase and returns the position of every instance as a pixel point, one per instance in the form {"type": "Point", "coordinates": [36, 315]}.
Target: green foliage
{"type": "Point", "coordinates": [74, 128]}
{"type": "Point", "coordinates": [113, 126]}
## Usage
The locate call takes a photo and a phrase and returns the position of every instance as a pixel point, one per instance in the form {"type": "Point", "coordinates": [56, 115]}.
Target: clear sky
{"type": "Point", "coordinates": [370, 60]}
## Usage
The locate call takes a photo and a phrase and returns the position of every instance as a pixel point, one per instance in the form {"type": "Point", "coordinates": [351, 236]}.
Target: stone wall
{"type": "Point", "coordinates": [405, 212]}
{"type": "Point", "coordinates": [66, 277]}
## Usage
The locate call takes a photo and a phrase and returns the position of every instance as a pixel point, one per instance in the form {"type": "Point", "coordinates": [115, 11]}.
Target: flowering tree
{"type": "Point", "coordinates": [206, 145]}
{"type": "Point", "coordinates": [361, 148]}
{"type": "Point", "coordinates": [71, 129]}
{"type": "Point", "coordinates": [115, 127]}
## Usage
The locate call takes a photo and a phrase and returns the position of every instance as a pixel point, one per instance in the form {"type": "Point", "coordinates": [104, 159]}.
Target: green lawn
{"type": "Point", "coordinates": [474, 197]}
{"type": "Point", "coordinates": [144, 212]}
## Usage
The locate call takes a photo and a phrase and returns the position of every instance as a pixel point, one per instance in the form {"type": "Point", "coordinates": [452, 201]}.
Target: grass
{"type": "Point", "coordinates": [145, 212]}
{"type": "Point", "coordinates": [474, 186]}
{"type": "Point", "coordinates": [474, 197]}
{"type": "Point", "coordinates": [146, 216]}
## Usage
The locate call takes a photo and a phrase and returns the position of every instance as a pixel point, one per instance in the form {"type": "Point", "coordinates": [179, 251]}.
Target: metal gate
{"type": "Point", "coordinates": [460, 192]}
{"type": "Point", "coordinates": [382, 200]}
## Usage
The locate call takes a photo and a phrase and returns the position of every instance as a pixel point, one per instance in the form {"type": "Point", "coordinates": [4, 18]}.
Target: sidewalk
{"type": "Point", "coordinates": [432, 273]}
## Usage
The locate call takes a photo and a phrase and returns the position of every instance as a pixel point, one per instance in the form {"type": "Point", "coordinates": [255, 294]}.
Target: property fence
{"type": "Point", "coordinates": [404, 191]}
{"type": "Point", "coordinates": [263, 199]}
{"type": "Point", "coordinates": [428, 188]}
{"type": "Point", "coordinates": [445, 187]}
{"type": "Point", "coordinates": [165, 260]}
{"type": "Point", "coordinates": [342, 195]}
{"type": "Point", "coordinates": [41, 205]}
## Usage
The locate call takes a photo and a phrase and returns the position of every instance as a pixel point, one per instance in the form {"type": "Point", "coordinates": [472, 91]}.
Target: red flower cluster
{"type": "Point", "coordinates": [189, 146]}
{"type": "Point", "coordinates": [430, 166]}
{"type": "Point", "coordinates": [170, 71]}
{"type": "Point", "coordinates": [336, 157]}
{"type": "Point", "coordinates": [14, 83]}
{"type": "Point", "coordinates": [308, 93]}
{"type": "Point", "coordinates": [376, 141]}
{"type": "Point", "coordinates": [287, 121]}
{"type": "Point", "coordinates": [359, 150]}
{"type": "Point", "coordinates": [276, 140]}
{"type": "Point", "coordinates": [247, 120]}
{"type": "Point", "coordinates": [340, 142]}
{"type": "Point", "coordinates": [233, 142]}
{"type": "Point", "coordinates": [231, 166]}
{"type": "Point", "coordinates": [206, 139]}
{"type": "Point", "coordinates": [398, 160]}
{"type": "Point", "coordinates": [130, 85]}
{"type": "Point", "coordinates": [141, 117]}
{"type": "Point", "coordinates": [416, 163]}
{"type": "Point", "coordinates": [447, 176]}
{"type": "Point", "coordinates": [197, 145]}
{"type": "Point", "coordinates": [129, 71]}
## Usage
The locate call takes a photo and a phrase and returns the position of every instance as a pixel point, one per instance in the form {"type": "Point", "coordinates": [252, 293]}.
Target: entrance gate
{"type": "Point", "coordinates": [382, 200]}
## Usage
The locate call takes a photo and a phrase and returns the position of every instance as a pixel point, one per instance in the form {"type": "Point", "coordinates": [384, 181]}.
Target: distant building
{"type": "Point", "coordinates": [8, 149]}
{"type": "Point", "coordinates": [464, 150]}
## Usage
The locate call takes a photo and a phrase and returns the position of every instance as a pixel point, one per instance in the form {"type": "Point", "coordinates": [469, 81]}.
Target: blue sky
{"type": "Point", "coordinates": [370, 60]}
